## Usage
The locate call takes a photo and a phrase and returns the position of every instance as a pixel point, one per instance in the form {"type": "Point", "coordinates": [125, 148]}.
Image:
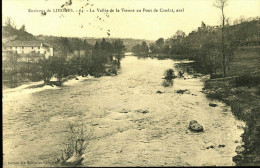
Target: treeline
{"type": "Point", "coordinates": [101, 59]}
{"type": "Point", "coordinates": [212, 47]}
{"type": "Point", "coordinates": [10, 29]}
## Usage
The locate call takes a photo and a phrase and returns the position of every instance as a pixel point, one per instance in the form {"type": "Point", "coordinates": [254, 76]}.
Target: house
{"type": "Point", "coordinates": [27, 47]}
{"type": "Point", "coordinates": [80, 53]}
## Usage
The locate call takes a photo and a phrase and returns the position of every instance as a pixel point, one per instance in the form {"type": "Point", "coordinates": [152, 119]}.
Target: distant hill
{"type": "Point", "coordinates": [20, 34]}
{"type": "Point", "coordinates": [128, 42]}
{"type": "Point", "coordinates": [14, 34]}
{"type": "Point", "coordinates": [76, 43]}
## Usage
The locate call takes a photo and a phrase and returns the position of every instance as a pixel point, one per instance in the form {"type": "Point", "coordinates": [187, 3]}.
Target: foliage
{"type": "Point", "coordinates": [141, 50]}
{"type": "Point", "coordinates": [169, 74]}
{"type": "Point", "coordinates": [93, 60]}
{"type": "Point", "coordinates": [118, 49]}
{"type": "Point", "coordinates": [205, 45]}
{"type": "Point", "coordinates": [77, 142]}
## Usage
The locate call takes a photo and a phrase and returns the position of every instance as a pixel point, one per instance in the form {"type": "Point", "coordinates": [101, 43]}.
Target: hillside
{"type": "Point", "coordinates": [57, 42]}
{"type": "Point", "coordinates": [20, 34]}
{"type": "Point", "coordinates": [76, 43]}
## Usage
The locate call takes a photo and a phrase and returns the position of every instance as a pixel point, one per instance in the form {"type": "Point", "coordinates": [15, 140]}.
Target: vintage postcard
{"type": "Point", "coordinates": [116, 83]}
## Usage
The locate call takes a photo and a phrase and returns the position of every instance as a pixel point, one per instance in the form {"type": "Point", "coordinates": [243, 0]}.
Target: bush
{"type": "Point", "coordinates": [169, 74]}
{"type": "Point", "coordinates": [113, 70]}
{"type": "Point", "coordinates": [76, 143]}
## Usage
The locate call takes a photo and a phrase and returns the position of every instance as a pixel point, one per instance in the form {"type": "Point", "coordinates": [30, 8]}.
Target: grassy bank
{"type": "Point", "coordinates": [240, 90]}
{"type": "Point", "coordinates": [242, 93]}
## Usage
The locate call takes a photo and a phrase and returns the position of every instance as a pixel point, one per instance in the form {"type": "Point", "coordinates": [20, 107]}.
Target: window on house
{"type": "Point", "coordinates": [32, 47]}
{"type": "Point", "coordinates": [10, 47]}
{"type": "Point", "coordinates": [22, 47]}
{"type": "Point", "coordinates": [38, 47]}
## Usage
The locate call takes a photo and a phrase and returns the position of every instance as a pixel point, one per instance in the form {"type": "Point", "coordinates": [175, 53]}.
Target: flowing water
{"type": "Point", "coordinates": [111, 107]}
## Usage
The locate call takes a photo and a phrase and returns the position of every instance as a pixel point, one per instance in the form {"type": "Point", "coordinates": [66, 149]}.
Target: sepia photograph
{"type": "Point", "coordinates": [130, 83]}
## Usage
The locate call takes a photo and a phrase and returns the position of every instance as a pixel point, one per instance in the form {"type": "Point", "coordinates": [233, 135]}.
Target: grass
{"type": "Point", "coordinates": [245, 61]}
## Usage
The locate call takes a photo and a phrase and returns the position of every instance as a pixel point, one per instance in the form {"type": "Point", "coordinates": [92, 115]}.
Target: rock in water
{"type": "Point", "coordinates": [77, 78]}
{"type": "Point", "coordinates": [210, 145]}
{"type": "Point", "coordinates": [195, 126]}
{"type": "Point", "coordinates": [74, 160]}
{"type": "Point", "coordinates": [221, 146]}
{"type": "Point", "coordinates": [212, 104]}
{"type": "Point", "coordinates": [181, 91]}
{"type": "Point", "coordinates": [125, 111]}
{"type": "Point", "coordinates": [158, 91]}
{"type": "Point", "coordinates": [142, 111]}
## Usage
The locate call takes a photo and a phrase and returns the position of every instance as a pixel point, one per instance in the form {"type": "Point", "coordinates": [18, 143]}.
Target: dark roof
{"type": "Point", "coordinates": [26, 44]}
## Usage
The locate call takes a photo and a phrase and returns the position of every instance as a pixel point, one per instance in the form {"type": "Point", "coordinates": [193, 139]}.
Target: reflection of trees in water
{"type": "Point", "coordinates": [167, 82]}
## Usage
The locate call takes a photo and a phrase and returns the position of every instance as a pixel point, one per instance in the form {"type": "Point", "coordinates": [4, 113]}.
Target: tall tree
{"type": "Point", "coordinates": [8, 22]}
{"type": "Point", "coordinates": [221, 4]}
{"type": "Point", "coordinates": [179, 34]}
{"type": "Point", "coordinates": [119, 48]}
{"type": "Point", "coordinates": [203, 25]}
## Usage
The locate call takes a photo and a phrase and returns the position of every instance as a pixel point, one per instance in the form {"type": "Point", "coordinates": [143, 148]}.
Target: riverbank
{"type": "Point", "coordinates": [110, 70]}
{"type": "Point", "coordinates": [242, 93]}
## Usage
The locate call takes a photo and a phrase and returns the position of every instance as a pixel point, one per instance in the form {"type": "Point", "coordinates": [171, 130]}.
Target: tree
{"type": "Point", "coordinates": [203, 25]}
{"type": "Point", "coordinates": [64, 41]}
{"type": "Point", "coordinates": [58, 66]}
{"type": "Point", "coordinates": [159, 45]}
{"type": "Point", "coordinates": [97, 62]}
{"type": "Point", "coordinates": [210, 55]}
{"type": "Point", "coordinates": [221, 4]}
{"type": "Point", "coordinates": [12, 63]}
{"type": "Point", "coordinates": [179, 34]}
{"type": "Point", "coordinates": [141, 50]}
{"type": "Point", "coordinates": [8, 22]}
{"type": "Point", "coordinates": [159, 42]}
{"type": "Point", "coordinates": [23, 28]}
{"type": "Point", "coordinates": [119, 48]}
{"type": "Point", "coordinates": [144, 48]}
{"type": "Point", "coordinates": [152, 48]}
{"type": "Point", "coordinates": [46, 69]}
{"type": "Point", "coordinates": [106, 51]}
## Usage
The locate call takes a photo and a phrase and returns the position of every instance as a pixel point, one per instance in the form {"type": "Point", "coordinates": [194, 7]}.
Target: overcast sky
{"type": "Point", "coordinates": [142, 25]}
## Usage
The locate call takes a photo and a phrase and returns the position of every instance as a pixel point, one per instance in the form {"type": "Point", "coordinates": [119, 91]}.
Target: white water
{"type": "Point", "coordinates": [34, 124]}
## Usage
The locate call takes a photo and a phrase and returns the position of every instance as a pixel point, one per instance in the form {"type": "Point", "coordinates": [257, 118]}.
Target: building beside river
{"type": "Point", "coordinates": [36, 48]}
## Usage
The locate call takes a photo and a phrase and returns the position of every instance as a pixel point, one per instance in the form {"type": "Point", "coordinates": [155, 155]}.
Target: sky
{"type": "Point", "coordinates": [138, 25]}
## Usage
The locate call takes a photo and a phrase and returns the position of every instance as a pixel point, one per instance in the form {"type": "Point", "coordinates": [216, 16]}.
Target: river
{"type": "Point", "coordinates": [34, 123]}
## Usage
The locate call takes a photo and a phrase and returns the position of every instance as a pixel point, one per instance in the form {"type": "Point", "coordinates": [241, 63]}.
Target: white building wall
{"type": "Point", "coordinates": [26, 50]}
